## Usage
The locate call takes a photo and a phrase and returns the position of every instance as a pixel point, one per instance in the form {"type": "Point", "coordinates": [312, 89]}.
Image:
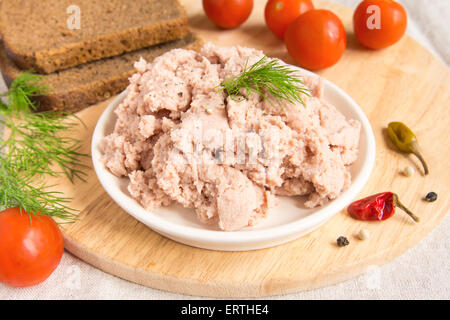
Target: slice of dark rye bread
{"type": "Point", "coordinates": [36, 35]}
{"type": "Point", "coordinates": [79, 87]}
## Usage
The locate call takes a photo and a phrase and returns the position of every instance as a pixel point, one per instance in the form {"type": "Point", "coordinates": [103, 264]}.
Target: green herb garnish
{"type": "Point", "coordinates": [36, 147]}
{"type": "Point", "coordinates": [20, 190]}
{"type": "Point", "coordinates": [270, 80]}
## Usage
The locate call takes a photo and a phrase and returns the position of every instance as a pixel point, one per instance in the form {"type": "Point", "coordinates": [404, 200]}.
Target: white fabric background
{"type": "Point", "coordinates": [420, 273]}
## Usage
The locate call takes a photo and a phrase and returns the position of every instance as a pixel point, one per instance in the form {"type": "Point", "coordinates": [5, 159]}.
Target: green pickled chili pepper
{"type": "Point", "coordinates": [405, 140]}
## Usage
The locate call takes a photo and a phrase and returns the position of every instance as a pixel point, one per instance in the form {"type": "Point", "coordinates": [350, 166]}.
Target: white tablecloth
{"type": "Point", "coordinates": [420, 273]}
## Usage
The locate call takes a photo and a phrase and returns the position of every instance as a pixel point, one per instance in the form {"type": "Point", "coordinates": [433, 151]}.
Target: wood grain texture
{"type": "Point", "coordinates": [404, 82]}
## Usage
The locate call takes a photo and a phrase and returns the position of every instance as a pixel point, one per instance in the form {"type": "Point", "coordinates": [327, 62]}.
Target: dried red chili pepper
{"type": "Point", "coordinates": [380, 206]}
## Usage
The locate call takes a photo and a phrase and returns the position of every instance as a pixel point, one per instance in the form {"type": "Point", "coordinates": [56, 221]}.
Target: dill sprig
{"type": "Point", "coordinates": [19, 190]}
{"type": "Point", "coordinates": [22, 91]}
{"type": "Point", "coordinates": [36, 147]}
{"type": "Point", "coordinates": [269, 79]}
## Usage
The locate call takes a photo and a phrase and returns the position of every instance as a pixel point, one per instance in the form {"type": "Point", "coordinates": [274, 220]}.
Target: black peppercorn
{"type": "Point", "coordinates": [342, 241]}
{"type": "Point", "coordinates": [431, 196]}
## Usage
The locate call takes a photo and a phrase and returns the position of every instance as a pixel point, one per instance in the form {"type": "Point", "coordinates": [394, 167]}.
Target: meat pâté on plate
{"type": "Point", "coordinates": [179, 138]}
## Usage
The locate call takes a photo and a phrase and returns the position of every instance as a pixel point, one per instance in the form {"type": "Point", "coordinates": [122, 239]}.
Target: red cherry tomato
{"type": "Point", "coordinates": [379, 23]}
{"type": "Point", "coordinates": [316, 39]}
{"type": "Point", "coordinates": [29, 251]}
{"type": "Point", "coordinates": [279, 14]}
{"type": "Point", "coordinates": [228, 14]}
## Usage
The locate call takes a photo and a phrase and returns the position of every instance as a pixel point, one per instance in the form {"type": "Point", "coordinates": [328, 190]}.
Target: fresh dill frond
{"type": "Point", "coordinates": [23, 89]}
{"type": "Point", "coordinates": [18, 189]}
{"type": "Point", "coordinates": [268, 78]}
{"type": "Point", "coordinates": [36, 146]}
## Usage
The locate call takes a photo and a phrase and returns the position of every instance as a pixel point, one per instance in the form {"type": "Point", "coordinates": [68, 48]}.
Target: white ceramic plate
{"type": "Point", "coordinates": [288, 221]}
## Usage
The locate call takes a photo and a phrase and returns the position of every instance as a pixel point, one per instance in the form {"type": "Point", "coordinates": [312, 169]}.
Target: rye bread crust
{"type": "Point", "coordinates": [79, 87]}
{"type": "Point", "coordinates": [66, 48]}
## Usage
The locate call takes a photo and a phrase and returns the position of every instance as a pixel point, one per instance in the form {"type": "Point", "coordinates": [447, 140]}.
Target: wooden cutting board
{"type": "Point", "coordinates": [404, 82]}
